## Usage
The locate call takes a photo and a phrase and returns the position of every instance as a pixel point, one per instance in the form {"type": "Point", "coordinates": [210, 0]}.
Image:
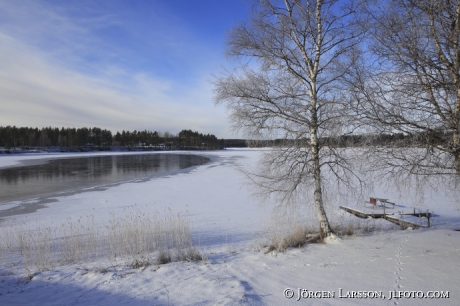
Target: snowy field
{"type": "Point", "coordinates": [229, 227]}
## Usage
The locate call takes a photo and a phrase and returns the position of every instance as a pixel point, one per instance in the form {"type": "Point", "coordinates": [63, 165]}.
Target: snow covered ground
{"type": "Point", "coordinates": [229, 226]}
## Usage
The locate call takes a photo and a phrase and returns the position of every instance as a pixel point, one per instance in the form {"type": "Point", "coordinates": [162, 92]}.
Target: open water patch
{"type": "Point", "coordinates": [63, 176]}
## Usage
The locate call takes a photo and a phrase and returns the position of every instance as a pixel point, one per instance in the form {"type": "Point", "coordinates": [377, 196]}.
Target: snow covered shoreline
{"type": "Point", "coordinates": [227, 224]}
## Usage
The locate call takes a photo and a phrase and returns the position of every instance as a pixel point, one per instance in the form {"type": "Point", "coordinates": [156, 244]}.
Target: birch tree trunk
{"type": "Point", "coordinates": [299, 52]}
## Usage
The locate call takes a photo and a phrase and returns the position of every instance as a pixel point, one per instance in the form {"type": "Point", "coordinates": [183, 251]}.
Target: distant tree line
{"type": "Point", "coordinates": [434, 137]}
{"type": "Point", "coordinates": [102, 139]}
{"type": "Point", "coordinates": [24, 137]}
{"type": "Point", "coordinates": [12, 136]}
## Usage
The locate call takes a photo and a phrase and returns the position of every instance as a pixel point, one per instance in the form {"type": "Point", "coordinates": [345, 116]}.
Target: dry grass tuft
{"type": "Point", "coordinates": [164, 257]}
{"type": "Point", "coordinates": [189, 254]}
{"type": "Point", "coordinates": [140, 264]}
{"type": "Point", "coordinates": [133, 239]}
{"type": "Point", "coordinates": [294, 236]}
{"type": "Point", "coordinates": [292, 232]}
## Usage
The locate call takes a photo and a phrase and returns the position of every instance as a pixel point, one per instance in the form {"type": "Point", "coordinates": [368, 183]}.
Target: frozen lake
{"type": "Point", "coordinates": [233, 230]}
{"type": "Point", "coordinates": [38, 178]}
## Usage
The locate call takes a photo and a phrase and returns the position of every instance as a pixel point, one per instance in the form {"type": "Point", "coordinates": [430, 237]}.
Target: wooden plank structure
{"type": "Point", "coordinates": [380, 203]}
{"type": "Point", "coordinates": [391, 217]}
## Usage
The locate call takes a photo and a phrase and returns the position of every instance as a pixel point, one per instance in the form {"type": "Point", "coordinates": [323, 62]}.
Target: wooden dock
{"type": "Point", "coordinates": [391, 217]}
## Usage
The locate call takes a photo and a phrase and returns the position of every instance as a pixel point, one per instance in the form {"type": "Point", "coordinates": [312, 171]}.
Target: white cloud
{"type": "Point", "coordinates": [55, 85]}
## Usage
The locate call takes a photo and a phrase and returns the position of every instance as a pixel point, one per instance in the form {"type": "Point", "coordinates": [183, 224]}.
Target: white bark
{"type": "Point", "coordinates": [303, 49]}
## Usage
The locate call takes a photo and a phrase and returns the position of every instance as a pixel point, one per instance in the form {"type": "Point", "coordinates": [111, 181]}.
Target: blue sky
{"type": "Point", "coordinates": [115, 64]}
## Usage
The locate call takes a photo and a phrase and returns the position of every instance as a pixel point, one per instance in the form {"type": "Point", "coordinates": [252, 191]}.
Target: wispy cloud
{"type": "Point", "coordinates": [65, 67]}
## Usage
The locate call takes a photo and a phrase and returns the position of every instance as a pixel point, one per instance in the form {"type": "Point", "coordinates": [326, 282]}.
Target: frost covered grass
{"type": "Point", "coordinates": [136, 239]}
{"type": "Point", "coordinates": [290, 231]}
{"type": "Point", "coordinates": [295, 236]}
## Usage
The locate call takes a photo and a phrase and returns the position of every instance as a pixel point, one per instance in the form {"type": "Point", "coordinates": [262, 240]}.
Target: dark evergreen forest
{"type": "Point", "coordinates": [102, 139]}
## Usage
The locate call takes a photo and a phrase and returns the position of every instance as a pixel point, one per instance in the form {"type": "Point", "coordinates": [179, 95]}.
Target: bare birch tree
{"type": "Point", "coordinates": [413, 86]}
{"type": "Point", "coordinates": [297, 52]}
